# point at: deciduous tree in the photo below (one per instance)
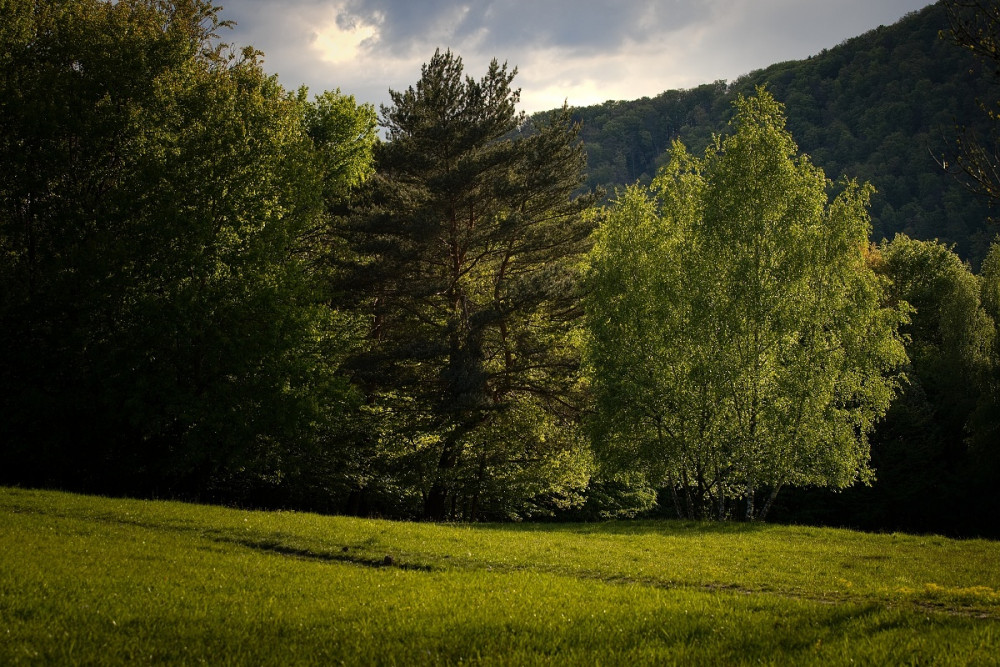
(161, 328)
(739, 336)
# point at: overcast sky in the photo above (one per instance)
(582, 51)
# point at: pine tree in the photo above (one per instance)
(469, 248)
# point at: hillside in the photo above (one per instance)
(878, 107)
(87, 580)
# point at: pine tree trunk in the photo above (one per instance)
(436, 503)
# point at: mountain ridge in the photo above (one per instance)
(882, 107)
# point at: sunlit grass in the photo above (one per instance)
(90, 580)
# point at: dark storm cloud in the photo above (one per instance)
(504, 24)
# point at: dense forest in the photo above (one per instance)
(214, 288)
(882, 107)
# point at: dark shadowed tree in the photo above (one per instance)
(161, 326)
(945, 412)
(935, 454)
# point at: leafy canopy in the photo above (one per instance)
(161, 324)
(738, 335)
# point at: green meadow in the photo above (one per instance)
(87, 580)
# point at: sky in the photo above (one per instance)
(579, 51)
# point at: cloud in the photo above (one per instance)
(583, 51)
(407, 26)
(344, 40)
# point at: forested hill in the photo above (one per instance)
(878, 107)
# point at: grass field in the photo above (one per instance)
(87, 580)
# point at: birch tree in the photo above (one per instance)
(759, 346)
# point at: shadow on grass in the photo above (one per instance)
(344, 556)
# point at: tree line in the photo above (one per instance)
(217, 289)
(164, 322)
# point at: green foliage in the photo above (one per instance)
(990, 275)
(985, 421)
(344, 136)
(465, 257)
(162, 327)
(924, 448)
(882, 107)
(950, 333)
(190, 256)
(615, 496)
(738, 338)
(88, 580)
(934, 455)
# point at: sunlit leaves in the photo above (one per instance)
(738, 335)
